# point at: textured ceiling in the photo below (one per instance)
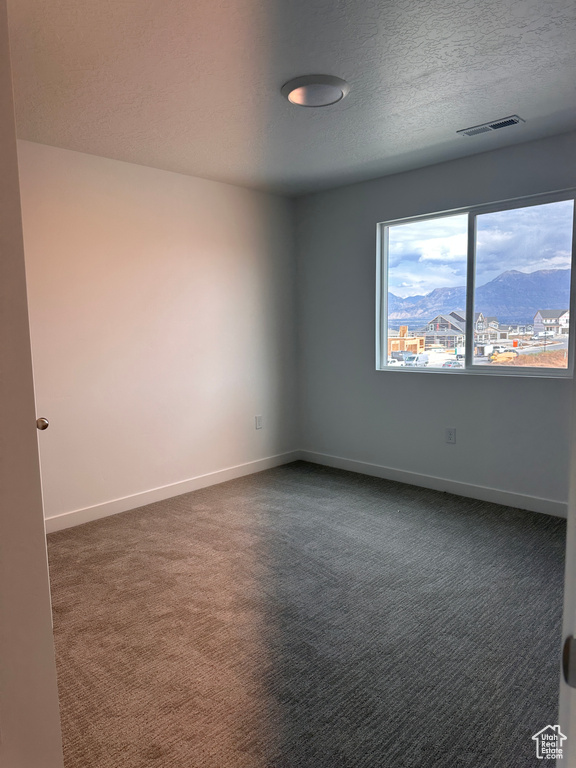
(194, 85)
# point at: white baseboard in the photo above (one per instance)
(510, 499)
(87, 514)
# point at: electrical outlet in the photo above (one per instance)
(258, 422)
(450, 435)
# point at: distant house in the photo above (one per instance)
(556, 320)
(507, 331)
(520, 329)
(485, 328)
(459, 316)
(447, 331)
(446, 338)
(404, 341)
(446, 323)
(480, 322)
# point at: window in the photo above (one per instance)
(482, 290)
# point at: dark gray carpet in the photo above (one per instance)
(307, 617)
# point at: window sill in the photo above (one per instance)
(533, 373)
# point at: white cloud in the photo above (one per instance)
(428, 254)
(450, 248)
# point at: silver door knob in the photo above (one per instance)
(42, 423)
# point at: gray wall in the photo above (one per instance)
(513, 434)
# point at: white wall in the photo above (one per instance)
(162, 317)
(513, 434)
(162, 314)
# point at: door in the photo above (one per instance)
(568, 694)
(29, 717)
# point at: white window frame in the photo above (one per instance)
(469, 366)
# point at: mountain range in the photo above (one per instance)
(512, 297)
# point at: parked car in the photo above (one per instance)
(394, 362)
(452, 364)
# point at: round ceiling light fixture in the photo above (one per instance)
(315, 90)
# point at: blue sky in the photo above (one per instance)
(425, 255)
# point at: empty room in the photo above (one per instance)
(287, 381)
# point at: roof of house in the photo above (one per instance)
(550, 314)
(457, 325)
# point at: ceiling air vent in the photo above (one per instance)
(504, 122)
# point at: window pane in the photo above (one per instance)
(427, 292)
(522, 286)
